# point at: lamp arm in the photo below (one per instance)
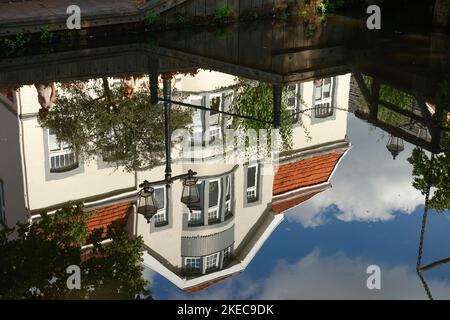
(172, 179)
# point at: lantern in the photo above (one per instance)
(190, 192)
(147, 204)
(395, 145)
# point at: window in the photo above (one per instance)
(2, 202)
(227, 254)
(195, 216)
(212, 261)
(160, 198)
(214, 134)
(252, 183)
(323, 95)
(214, 196)
(214, 103)
(197, 132)
(192, 263)
(62, 158)
(228, 194)
(292, 101)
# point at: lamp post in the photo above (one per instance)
(147, 203)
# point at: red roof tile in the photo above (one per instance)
(285, 205)
(305, 172)
(103, 217)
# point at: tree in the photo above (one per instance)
(439, 171)
(35, 257)
(255, 99)
(98, 120)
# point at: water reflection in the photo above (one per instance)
(93, 130)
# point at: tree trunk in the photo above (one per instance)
(441, 13)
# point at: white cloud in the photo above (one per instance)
(368, 185)
(319, 277)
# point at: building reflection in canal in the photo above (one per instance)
(241, 201)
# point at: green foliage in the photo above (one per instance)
(282, 15)
(316, 9)
(15, 44)
(97, 120)
(221, 14)
(152, 18)
(440, 177)
(21, 40)
(252, 98)
(35, 257)
(45, 36)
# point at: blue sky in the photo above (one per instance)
(372, 215)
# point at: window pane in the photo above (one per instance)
(213, 193)
(215, 104)
(327, 88)
(159, 198)
(228, 184)
(318, 89)
(193, 264)
(251, 177)
(53, 143)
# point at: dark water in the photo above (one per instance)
(301, 220)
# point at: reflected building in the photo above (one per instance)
(241, 203)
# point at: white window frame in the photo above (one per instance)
(228, 192)
(163, 211)
(2, 202)
(199, 259)
(324, 102)
(213, 212)
(214, 132)
(195, 213)
(197, 127)
(293, 110)
(63, 152)
(215, 265)
(254, 189)
(227, 251)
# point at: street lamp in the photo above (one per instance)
(190, 192)
(395, 145)
(147, 203)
